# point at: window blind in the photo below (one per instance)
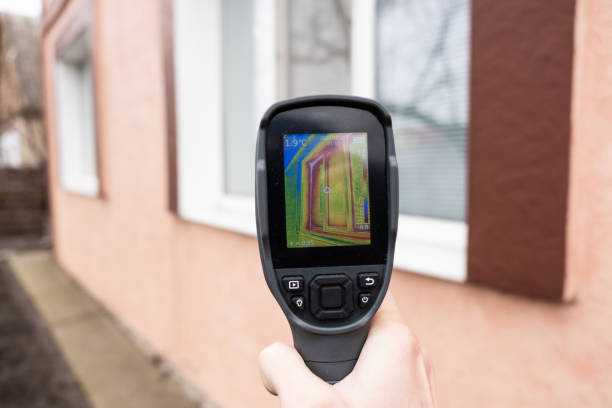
(422, 75)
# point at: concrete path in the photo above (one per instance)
(33, 372)
(113, 371)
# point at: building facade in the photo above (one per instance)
(501, 112)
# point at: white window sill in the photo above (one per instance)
(427, 246)
(231, 212)
(84, 185)
(432, 247)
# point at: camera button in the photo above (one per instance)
(368, 280)
(298, 302)
(365, 300)
(293, 283)
(332, 296)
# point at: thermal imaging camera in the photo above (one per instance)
(326, 193)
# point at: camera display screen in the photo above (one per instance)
(327, 194)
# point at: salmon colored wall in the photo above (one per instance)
(197, 293)
(590, 212)
(183, 287)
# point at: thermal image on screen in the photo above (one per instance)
(327, 193)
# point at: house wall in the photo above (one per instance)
(198, 296)
(590, 194)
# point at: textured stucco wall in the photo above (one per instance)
(590, 195)
(195, 293)
(167, 279)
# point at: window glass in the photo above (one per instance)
(247, 60)
(238, 62)
(422, 50)
(313, 38)
(319, 47)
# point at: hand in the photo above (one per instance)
(392, 371)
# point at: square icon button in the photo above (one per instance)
(293, 283)
(332, 296)
(365, 299)
(298, 302)
(368, 280)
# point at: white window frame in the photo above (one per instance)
(200, 144)
(428, 246)
(75, 104)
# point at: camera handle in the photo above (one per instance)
(330, 356)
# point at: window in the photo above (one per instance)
(317, 47)
(247, 52)
(422, 52)
(10, 149)
(414, 58)
(74, 91)
(224, 72)
(232, 59)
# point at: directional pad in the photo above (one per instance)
(331, 296)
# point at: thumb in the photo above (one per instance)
(284, 373)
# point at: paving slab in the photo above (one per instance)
(112, 369)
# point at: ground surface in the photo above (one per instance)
(114, 368)
(33, 372)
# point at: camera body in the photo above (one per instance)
(326, 189)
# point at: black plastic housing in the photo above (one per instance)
(329, 347)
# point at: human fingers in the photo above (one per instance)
(284, 373)
(391, 365)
